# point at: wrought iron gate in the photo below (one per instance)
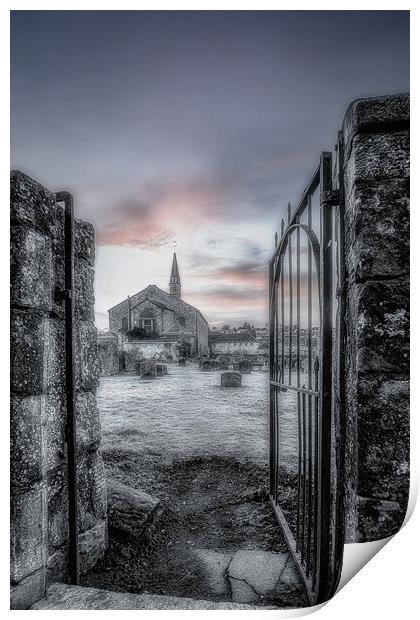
(306, 424)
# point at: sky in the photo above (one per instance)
(191, 130)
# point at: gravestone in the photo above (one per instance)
(146, 369)
(230, 379)
(161, 369)
(245, 367)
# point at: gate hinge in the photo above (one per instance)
(61, 295)
(330, 197)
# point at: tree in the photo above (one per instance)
(226, 328)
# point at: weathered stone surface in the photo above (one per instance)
(384, 439)
(381, 330)
(63, 596)
(260, 570)
(27, 462)
(28, 591)
(92, 545)
(33, 205)
(57, 566)
(57, 509)
(230, 379)
(379, 157)
(92, 490)
(129, 510)
(88, 427)
(31, 279)
(377, 356)
(39, 516)
(377, 230)
(108, 354)
(378, 518)
(288, 589)
(27, 532)
(84, 242)
(55, 359)
(54, 432)
(86, 359)
(242, 592)
(84, 298)
(214, 566)
(27, 332)
(368, 115)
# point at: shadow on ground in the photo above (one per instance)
(214, 535)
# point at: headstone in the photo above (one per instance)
(161, 369)
(230, 379)
(245, 367)
(146, 369)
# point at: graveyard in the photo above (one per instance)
(200, 452)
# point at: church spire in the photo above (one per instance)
(175, 280)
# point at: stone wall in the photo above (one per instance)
(108, 354)
(250, 347)
(376, 152)
(39, 504)
(146, 349)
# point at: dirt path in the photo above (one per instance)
(210, 505)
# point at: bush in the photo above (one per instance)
(138, 333)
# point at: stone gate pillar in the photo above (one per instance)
(39, 502)
(376, 174)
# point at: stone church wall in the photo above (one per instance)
(165, 318)
(39, 506)
(376, 141)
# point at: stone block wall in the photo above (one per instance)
(108, 354)
(39, 503)
(376, 186)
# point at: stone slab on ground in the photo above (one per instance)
(129, 510)
(63, 596)
(255, 574)
(215, 565)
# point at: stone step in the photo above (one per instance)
(63, 596)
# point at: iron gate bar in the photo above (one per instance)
(310, 545)
(340, 340)
(324, 480)
(72, 478)
(285, 386)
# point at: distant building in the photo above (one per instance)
(235, 343)
(154, 321)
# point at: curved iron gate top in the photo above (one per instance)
(305, 382)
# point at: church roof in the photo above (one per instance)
(175, 270)
(169, 304)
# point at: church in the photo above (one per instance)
(154, 321)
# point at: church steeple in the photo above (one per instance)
(175, 280)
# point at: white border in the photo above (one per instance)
(387, 586)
